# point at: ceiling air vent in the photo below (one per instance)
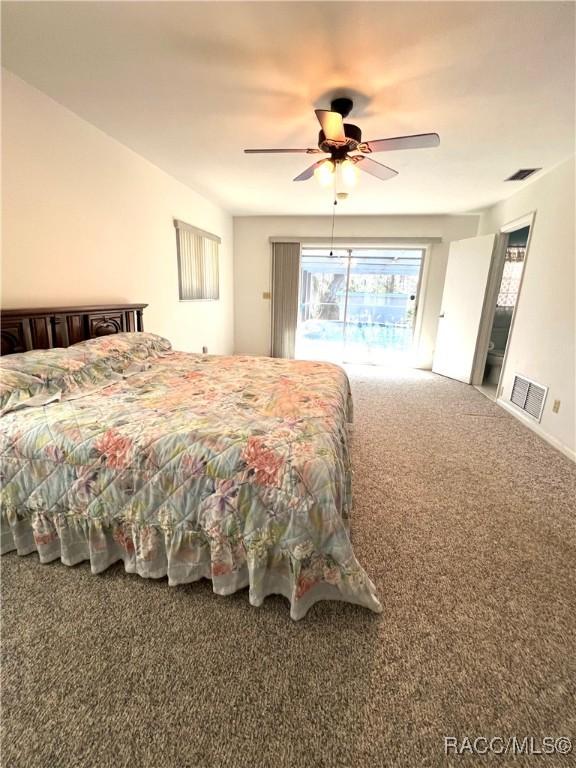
(529, 396)
(522, 174)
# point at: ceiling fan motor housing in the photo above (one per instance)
(342, 105)
(353, 138)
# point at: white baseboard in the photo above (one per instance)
(535, 427)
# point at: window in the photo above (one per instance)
(511, 276)
(198, 274)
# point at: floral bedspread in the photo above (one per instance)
(229, 468)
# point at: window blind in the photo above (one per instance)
(285, 280)
(198, 269)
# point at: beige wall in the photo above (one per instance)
(86, 220)
(542, 342)
(252, 254)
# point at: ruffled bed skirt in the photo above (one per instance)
(185, 557)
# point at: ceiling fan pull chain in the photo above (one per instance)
(332, 233)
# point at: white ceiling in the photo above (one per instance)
(189, 85)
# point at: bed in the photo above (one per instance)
(233, 469)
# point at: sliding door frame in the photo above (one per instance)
(418, 315)
(345, 320)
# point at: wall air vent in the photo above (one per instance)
(529, 396)
(522, 174)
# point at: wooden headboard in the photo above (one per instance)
(47, 327)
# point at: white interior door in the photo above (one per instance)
(467, 274)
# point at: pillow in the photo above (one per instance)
(65, 370)
(136, 346)
(19, 389)
(87, 366)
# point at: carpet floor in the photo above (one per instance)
(463, 518)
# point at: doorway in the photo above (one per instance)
(358, 305)
(501, 313)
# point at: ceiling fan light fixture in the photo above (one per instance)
(324, 173)
(348, 173)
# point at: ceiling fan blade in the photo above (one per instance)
(375, 169)
(332, 124)
(420, 141)
(310, 151)
(309, 172)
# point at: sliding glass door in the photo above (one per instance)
(322, 310)
(359, 305)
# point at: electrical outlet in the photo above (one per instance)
(556, 406)
(204, 350)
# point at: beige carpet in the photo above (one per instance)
(464, 519)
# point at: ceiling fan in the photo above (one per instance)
(338, 139)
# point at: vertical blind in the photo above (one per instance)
(285, 280)
(198, 273)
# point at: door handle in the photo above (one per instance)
(441, 315)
